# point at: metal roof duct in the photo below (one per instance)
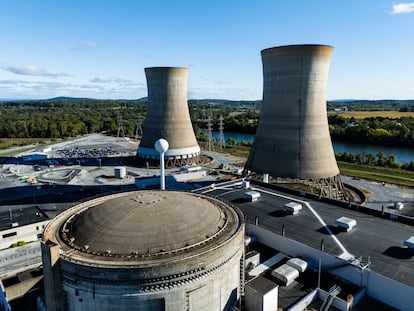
(292, 138)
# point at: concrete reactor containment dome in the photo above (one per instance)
(150, 250)
(168, 117)
(292, 138)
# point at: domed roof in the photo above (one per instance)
(145, 223)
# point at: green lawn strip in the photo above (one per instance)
(239, 151)
(388, 175)
(11, 146)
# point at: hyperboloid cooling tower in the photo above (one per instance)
(144, 250)
(292, 138)
(168, 117)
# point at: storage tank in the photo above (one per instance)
(292, 138)
(168, 118)
(120, 172)
(161, 250)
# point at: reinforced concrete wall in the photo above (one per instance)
(292, 138)
(197, 271)
(167, 115)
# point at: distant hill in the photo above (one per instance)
(63, 98)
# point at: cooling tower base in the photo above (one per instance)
(173, 162)
(331, 187)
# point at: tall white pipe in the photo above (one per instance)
(162, 173)
(161, 145)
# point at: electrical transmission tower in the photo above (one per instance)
(221, 142)
(120, 128)
(138, 132)
(210, 142)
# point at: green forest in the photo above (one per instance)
(68, 117)
(378, 131)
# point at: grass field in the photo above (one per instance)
(15, 142)
(380, 174)
(374, 114)
(238, 151)
(9, 146)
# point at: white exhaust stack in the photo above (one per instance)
(161, 145)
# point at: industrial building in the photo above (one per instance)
(163, 250)
(370, 268)
(292, 139)
(21, 225)
(168, 118)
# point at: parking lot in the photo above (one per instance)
(93, 151)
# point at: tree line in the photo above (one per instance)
(68, 118)
(378, 159)
(378, 131)
(61, 118)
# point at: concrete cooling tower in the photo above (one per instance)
(168, 117)
(292, 138)
(144, 250)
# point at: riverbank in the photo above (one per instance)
(401, 154)
(374, 173)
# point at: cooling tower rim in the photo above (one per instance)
(165, 68)
(297, 46)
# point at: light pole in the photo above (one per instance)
(161, 145)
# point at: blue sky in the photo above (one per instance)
(99, 49)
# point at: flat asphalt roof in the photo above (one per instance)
(17, 217)
(374, 239)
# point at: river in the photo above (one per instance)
(402, 155)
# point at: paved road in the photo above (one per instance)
(386, 195)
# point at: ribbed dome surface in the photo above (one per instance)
(145, 223)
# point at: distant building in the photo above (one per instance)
(21, 225)
(35, 156)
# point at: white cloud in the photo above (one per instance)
(223, 93)
(29, 70)
(402, 8)
(46, 89)
(85, 46)
(102, 79)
